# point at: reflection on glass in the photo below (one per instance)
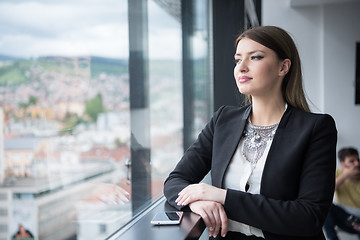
(65, 131)
(65, 159)
(202, 65)
(65, 103)
(165, 93)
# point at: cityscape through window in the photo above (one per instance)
(69, 131)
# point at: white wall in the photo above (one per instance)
(326, 36)
(342, 31)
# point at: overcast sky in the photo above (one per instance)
(81, 27)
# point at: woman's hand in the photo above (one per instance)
(213, 214)
(109, 194)
(207, 201)
(200, 191)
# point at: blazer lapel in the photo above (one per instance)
(229, 143)
(273, 157)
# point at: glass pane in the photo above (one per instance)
(65, 147)
(165, 80)
(202, 57)
(65, 139)
(357, 74)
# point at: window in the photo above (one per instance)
(79, 119)
(357, 74)
(3, 196)
(3, 228)
(102, 228)
(64, 87)
(3, 212)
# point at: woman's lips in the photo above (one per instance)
(243, 79)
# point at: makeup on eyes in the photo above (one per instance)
(257, 57)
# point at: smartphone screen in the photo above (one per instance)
(167, 218)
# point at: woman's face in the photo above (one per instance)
(258, 71)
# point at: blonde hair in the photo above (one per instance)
(283, 45)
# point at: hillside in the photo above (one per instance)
(14, 71)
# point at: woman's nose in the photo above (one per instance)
(243, 66)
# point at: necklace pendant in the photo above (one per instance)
(255, 141)
(257, 138)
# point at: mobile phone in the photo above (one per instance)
(167, 218)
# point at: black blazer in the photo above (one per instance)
(298, 180)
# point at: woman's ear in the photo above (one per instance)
(285, 67)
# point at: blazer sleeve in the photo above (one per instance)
(195, 163)
(293, 207)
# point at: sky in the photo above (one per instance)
(30, 29)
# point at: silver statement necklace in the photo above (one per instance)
(255, 140)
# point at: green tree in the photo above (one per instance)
(23, 105)
(94, 106)
(70, 122)
(32, 100)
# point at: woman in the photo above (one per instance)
(272, 162)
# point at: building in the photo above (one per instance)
(19, 155)
(47, 207)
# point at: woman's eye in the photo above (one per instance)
(256, 57)
(237, 60)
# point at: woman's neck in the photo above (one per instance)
(266, 113)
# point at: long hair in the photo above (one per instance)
(283, 45)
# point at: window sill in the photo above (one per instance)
(191, 226)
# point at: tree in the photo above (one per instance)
(94, 106)
(32, 100)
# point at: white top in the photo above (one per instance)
(240, 172)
